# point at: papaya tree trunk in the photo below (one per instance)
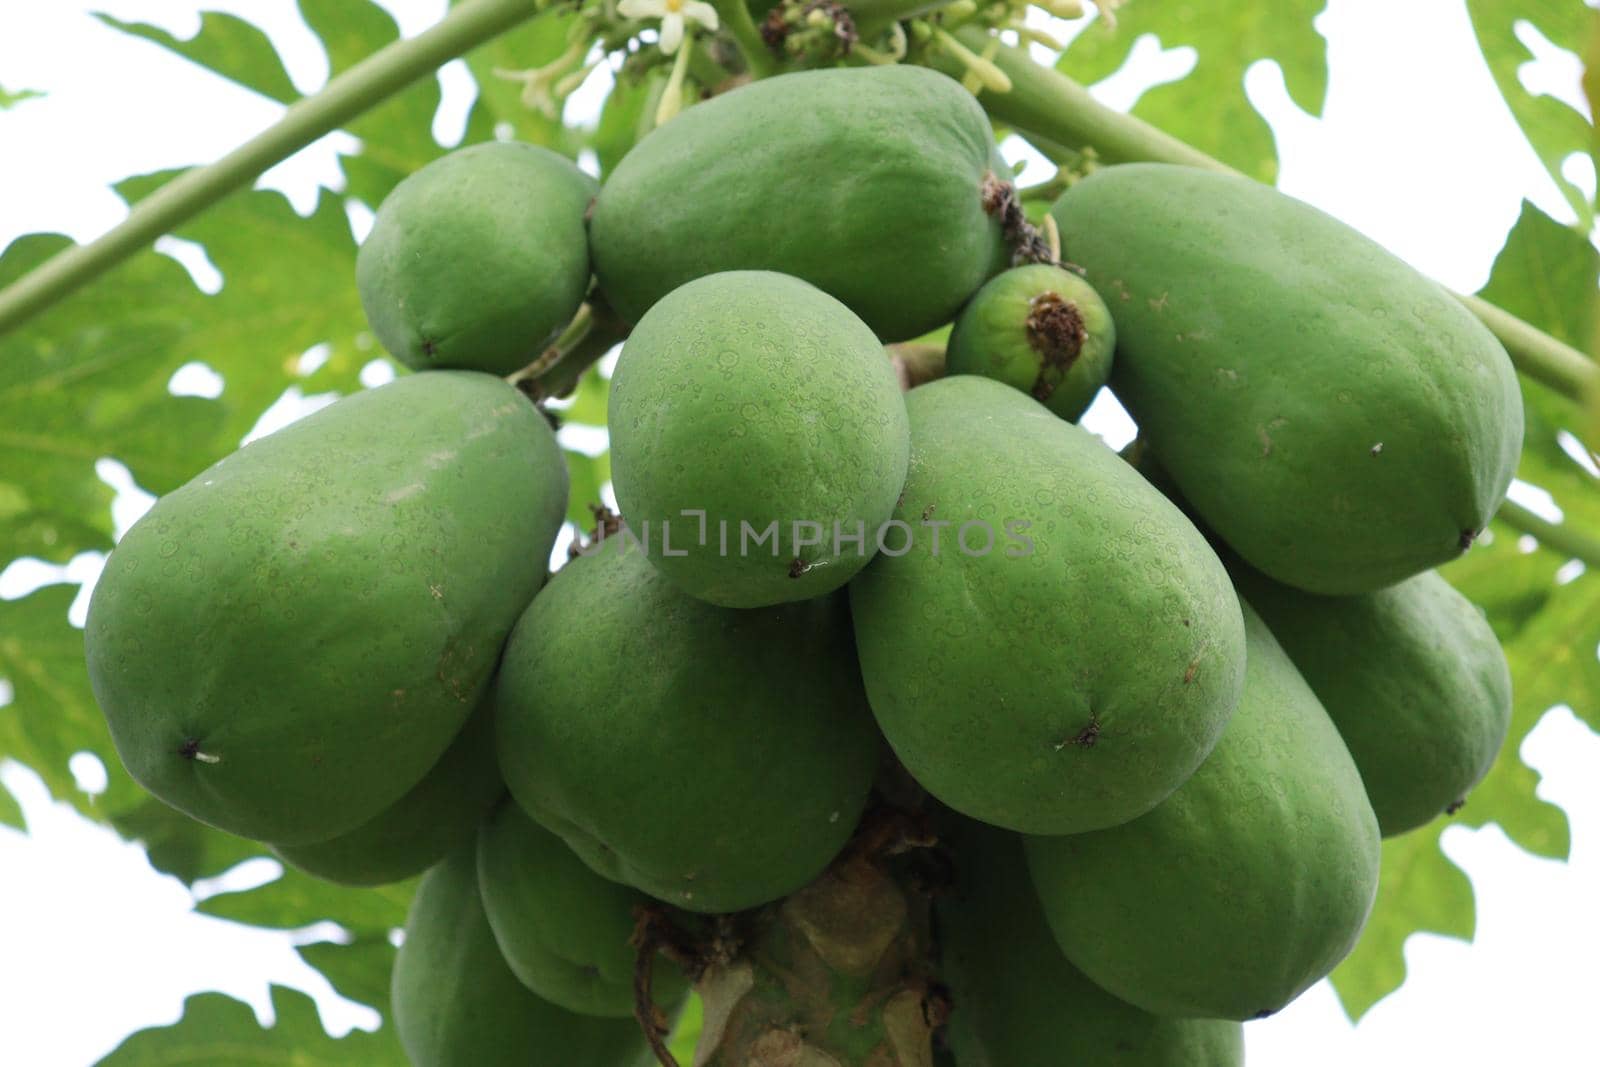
(839, 974)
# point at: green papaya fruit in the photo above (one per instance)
(714, 758)
(479, 259)
(1412, 676)
(1016, 1000)
(416, 831)
(758, 438)
(284, 646)
(563, 929)
(874, 184)
(1070, 648)
(1244, 887)
(457, 1004)
(1297, 379)
(1038, 328)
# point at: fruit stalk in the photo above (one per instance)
(1046, 103)
(1558, 537)
(358, 89)
(735, 17)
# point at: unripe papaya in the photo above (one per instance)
(1038, 328)
(714, 758)
(1244, 887)
(416, 831)
(478, 260)
(755, 425)
(1017, 1002)
(1067, 652)
(1339, 420)
(457, 1004)
(284, 646)
(875, 184)
(564, 930)
(1412, 676)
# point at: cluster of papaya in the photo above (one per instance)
(1162, 711)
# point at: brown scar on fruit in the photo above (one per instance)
(1455, 805)
(1192, 670)
(1467, 537)
(1056, 331)
(927, 512)
(1086, 737)
(798, 567)
(428, 347)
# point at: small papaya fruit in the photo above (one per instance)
(1244, 887)
(1039, 328)
(563, 929)
(478, 260)
(1296, 379)
(1048, 644)
(1412, 676)
(758, 438)
(875, 184)
(713, 758)
(416, 831)
(457, 1004)
(1017, 1002)
(284, 646)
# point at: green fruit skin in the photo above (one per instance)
(317, 614)
(479, 259)
(757, 399)
(563, 929)
(1340, 420)
(1017, 1002)
(867, 182)
(457, 1004)
(416, 831)
(712, 758)
(1057, 690)
(991, 337)
(1411, 675)
(1247, 885)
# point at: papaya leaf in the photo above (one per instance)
(358, 971)
(397, 136)
(1550, 633)
(528, 46)
(178, 845)
(622, 115)
(227, 45)
(1548, 274)
(1553, 129)
(10, 98)
(297, 900)
(1419, 889)
(53, 714)
(586, 475)
(1208, 107)
(217, 1029)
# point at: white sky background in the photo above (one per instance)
(1415, 148)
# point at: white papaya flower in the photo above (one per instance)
(673, 15)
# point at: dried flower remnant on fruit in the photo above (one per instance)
(1057, 331)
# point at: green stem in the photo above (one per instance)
(595, 330)
(735, 18)
(1562, 538)
(1537, 354)
(358, 89)
(1045, 103)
